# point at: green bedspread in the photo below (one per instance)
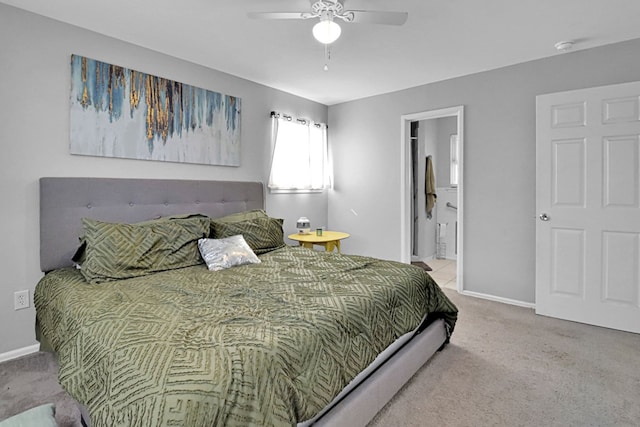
(266, 344)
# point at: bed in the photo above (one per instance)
(299, 337)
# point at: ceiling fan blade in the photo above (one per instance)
(277, 15)
(377, 17)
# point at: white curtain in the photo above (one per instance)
(300, 157)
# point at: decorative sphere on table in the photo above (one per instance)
(303, 225)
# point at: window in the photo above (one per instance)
(300, 160)
(454, 166)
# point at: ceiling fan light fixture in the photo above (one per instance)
(326, 31)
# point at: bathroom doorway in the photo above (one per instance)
(432, 194)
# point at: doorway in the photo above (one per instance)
(422, 236)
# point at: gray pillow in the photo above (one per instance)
(219, 254)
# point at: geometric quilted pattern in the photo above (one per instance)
(266, 344)
(117, 251)
(242, 216)
(261, 234)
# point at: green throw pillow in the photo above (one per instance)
(80, 255)
(261, 234)
(242, 216)
(118, 251)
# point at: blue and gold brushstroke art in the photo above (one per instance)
(118, 112)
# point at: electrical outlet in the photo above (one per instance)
(21, 300)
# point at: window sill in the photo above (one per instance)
(293, 191)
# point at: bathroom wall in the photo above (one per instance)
(449, 217)
(426, 231)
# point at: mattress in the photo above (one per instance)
(263, 344)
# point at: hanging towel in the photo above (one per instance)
(430, 186)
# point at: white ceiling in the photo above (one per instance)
(441, 39)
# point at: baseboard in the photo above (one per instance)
(499, 299)
(14, 354)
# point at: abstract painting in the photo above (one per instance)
(118, 112)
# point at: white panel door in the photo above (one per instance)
(588, 206)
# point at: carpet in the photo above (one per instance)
(31, 381)
(507, 366)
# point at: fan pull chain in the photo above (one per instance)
(327, 57)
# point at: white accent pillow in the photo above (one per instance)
(219, 254)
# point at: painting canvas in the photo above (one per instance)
(118, 112)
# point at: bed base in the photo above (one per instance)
(367, 399)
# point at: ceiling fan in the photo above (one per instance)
(327, 30)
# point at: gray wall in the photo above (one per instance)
(34, 136)
(364, 138)
(499, 161)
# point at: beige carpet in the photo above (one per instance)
(31, 381)
(505, 366)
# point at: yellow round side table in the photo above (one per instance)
(329, 239)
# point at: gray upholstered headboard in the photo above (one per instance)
(65, 201)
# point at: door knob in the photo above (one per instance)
(544, 217)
